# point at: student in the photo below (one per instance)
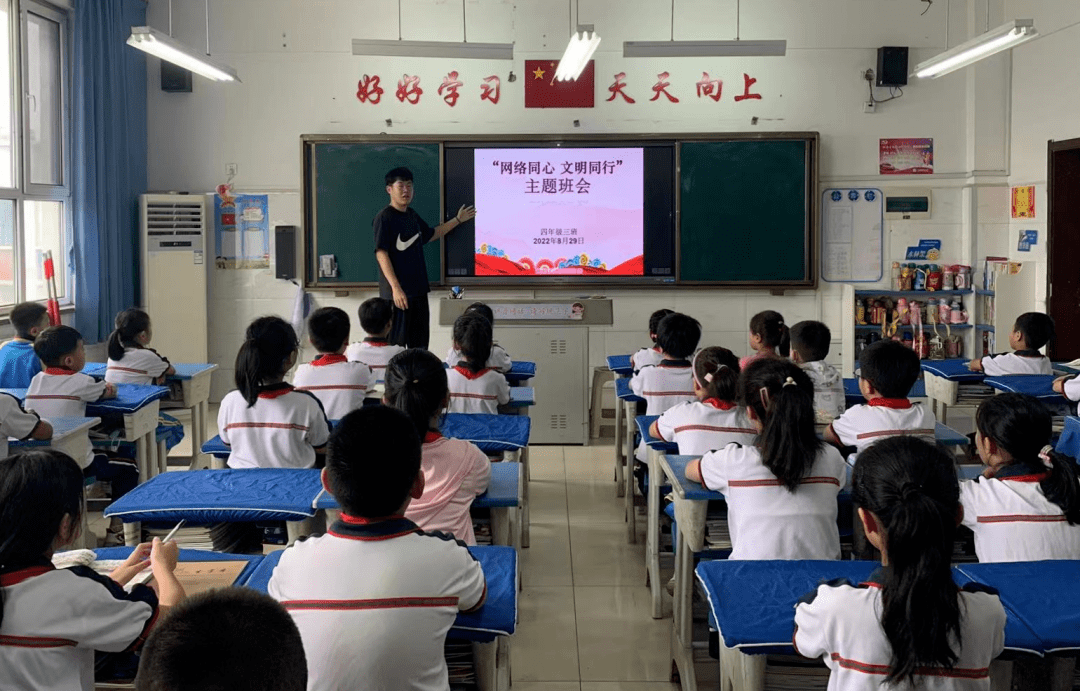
(474, 388)
(650, 356)
(499, 359)
(53, 621)
(253, 645)
(1026, 507)
(376, 319)
(781, 492)
(1031, 331)
(455, 471)
(810, 341)
(18, 362)
(131, 361)
(714, 420)
(888, 370)
(671, 382)
(908, 626)
(419, 580)
(1069, 387)
(769, 337)
(266, 422)
(340, 385)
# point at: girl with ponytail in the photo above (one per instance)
(455, 471)
(474, 387)
(131, 360)
(781, 492)
(769, 337)
(909, 624)
(267, 422)
(1026, 507)
(714, 420)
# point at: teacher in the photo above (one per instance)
(400, 236)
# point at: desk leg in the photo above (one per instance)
(682, 652)
(741, 672)
(525, 498)
(163, 456)
(141, 459)
(500, 527)
(631, 457)
(619, 422)
(132, 534)
(652, 536)
(197, 425)
(298, 529)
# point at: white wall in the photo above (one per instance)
(299, 77)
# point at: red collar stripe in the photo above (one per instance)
(328, 359)
(469, 374)
(361, 520)
(431, 436)
(60, 370)
(275, 390)
(718, 404)
(21, 575)
(895, 403)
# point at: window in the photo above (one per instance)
(35, 186)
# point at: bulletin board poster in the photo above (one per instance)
(242, 231)
(906, 156)
(1023, 202)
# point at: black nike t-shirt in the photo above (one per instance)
(403, 235)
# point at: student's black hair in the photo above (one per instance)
(678, 335)
(483, 310)
(55, 342)
(910, 486)
(472, 336)
(723, 366)
(774, 333)
(402, 173)
(1037, 328)
(1021, 425)
(37, 489)
(25, 316)
(375, 314)
(891, 367)
(329, 329)
(782, 396)
(228, 638)
(416, 385)
(128, 324)
(811, 340)
(372, 460)
(269, 343)
(655, 318)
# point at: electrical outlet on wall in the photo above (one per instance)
(869, 107)
(230, 169)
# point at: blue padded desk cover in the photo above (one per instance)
(955, 369)
(1069, 442)
(644, 422)
(62, 426)
(620, 365)
(184, 370)
(492, 433)
(622, 390)
(498, 616)
(521, 370)
(1036, 385)
(504, 491)
(129, 398)
(522, 396)
(253, 560)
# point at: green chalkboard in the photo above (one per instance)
(745, 211)
(345, 188)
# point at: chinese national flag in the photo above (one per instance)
(542, 91)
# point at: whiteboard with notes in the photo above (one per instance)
(852, 235)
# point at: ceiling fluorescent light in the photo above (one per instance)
(703, 49)
(578, 53)
(161, 45)
(433, 49)
(1002, 38)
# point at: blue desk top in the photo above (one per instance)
(504, 491)
(622, 390)
(184, 370)
(62, 426)
(955, 369)
(1036, 385)
(522, 396)
(620, 365)
(498, 616)
(521, 370)
(949, 437)
(1069, 442)
(644, 422)
(253, 560)
(129, 399)
(691, 491)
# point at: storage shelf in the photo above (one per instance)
(902, 327)
(980, 291)
(911, 293)
(984, 327)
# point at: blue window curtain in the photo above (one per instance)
(109, 161)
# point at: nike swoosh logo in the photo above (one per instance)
(402, 246)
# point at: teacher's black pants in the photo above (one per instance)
(412, 326)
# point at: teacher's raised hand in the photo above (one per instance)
(465, 213)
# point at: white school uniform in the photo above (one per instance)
(498, 360)
(375, 353)
(765, 519)
(374, 601)
(14, 422)
(1072, 389)
(1014, 521)
(138, 366)
(55, 619)
(699, 427)
(455, 472)
(59, 392)
(646, 357)
(840, 623)
(282, 429)
(1012, 363)
(665, 385)
(862, 425)
(476, 392)
(340, 385)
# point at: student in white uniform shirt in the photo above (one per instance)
(131, 360)
(376, 319)
(376, 595)
(1032, 331)
(341, 385)
(53, 621)
(810, 341)
(907, 498)
(1026, 507)
(19, 423)
(651, 355)
(781, 492)
(499, 359)
(455, 471)
(266, 422)
(714, 420)
(475, 388)
(887, 371)
(671, 382)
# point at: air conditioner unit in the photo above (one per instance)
(174, 236)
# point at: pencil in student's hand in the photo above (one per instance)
(172, 532)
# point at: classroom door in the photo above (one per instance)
(1063, 246)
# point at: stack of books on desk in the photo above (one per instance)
(717, 535)
(482, 531)
(972, 392)
(459, 663)
(793, 673)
